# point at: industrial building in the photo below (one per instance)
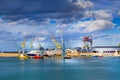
(106, 49)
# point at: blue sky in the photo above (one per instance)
(44, 18)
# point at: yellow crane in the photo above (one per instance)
(58, 46)
(24, 44)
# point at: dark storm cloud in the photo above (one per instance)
(39, 10)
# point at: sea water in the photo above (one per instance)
(68, 69)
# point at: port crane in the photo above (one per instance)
(58, 46)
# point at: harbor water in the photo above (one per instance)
(68, 69)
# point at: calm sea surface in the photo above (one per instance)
(69, 69)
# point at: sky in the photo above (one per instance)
(27, 19)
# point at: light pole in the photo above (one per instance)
(63, 45)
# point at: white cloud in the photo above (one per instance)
(62, 26)
(1, 21)
(41, 38)
(99, 14)
(44, 32)
(106, 39)
(13, 23)
(99, 25)
(106, 4)
(84, 4)
(93, 25)
(119, 13)
(19, 31)
(28, 22)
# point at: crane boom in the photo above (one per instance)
(58, 46)
(24, 44)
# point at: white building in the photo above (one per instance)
(106, 49)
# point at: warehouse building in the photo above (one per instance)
(106, 49)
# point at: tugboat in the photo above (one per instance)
(34, 54)
(23, 56)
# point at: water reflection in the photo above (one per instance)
(68, 69)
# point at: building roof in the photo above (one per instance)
(106, 47)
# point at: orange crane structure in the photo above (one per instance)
(87, 42)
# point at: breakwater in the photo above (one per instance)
(9, 54)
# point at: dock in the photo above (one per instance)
(76, 54)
